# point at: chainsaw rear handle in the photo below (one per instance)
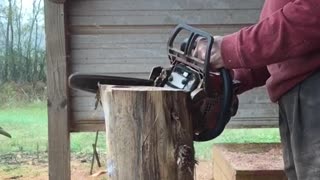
(186, 48)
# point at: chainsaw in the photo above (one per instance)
(212, 92)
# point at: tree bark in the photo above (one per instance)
(35, 56)
(28, 62)
(149, 133)
(19, 48)
(6, 58)
(12, 55)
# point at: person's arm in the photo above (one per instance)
(289, 32)
(250, 78)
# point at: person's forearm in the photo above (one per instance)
(250, 78)
(290, 32)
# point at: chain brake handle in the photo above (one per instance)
(184, 56)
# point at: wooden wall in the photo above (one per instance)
(128, 38)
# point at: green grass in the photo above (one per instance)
(28, 127)
(258, 135)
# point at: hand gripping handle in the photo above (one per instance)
(185, 57)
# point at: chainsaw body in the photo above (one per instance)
(212, 93)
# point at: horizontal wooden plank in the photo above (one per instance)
(126, 38)
(257, 95)
(256, 123)
(197, 17)
(119, 53)
(157, 13)
(84, 104)
(84, 122)
(99, 115)
(75, 92)
(87, 116)
(150, 29)
(99, 125)
(137, 39)
(249, 115)
(121, 61)
(87, 126)
(87, 104)
(114, 68)
(259, 110)
(85, 6)
(254, 106)
(118, 45)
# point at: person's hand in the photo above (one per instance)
(216, 60)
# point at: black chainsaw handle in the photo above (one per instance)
(225, 114)
(187, 47)
(186, 52)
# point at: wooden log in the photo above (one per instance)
(149, 133)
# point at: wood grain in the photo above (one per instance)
(154, 5)
(167, 12)
(202, 17)
(58, 125)
(149, 133)
(156, 30)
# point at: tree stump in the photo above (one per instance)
(149, 133)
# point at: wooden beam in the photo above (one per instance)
(87, 126)
(58, 126)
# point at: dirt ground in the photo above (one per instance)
(26, 166)
(253, 156)
(23, 166)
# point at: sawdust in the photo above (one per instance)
(253, 156)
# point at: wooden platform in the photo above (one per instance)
(248, 162)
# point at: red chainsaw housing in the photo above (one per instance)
(201, 101)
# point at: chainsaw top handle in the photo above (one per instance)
(184, 56)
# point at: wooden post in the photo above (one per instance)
(58, 125)
(149, 133)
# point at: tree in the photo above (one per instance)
(22, 56)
